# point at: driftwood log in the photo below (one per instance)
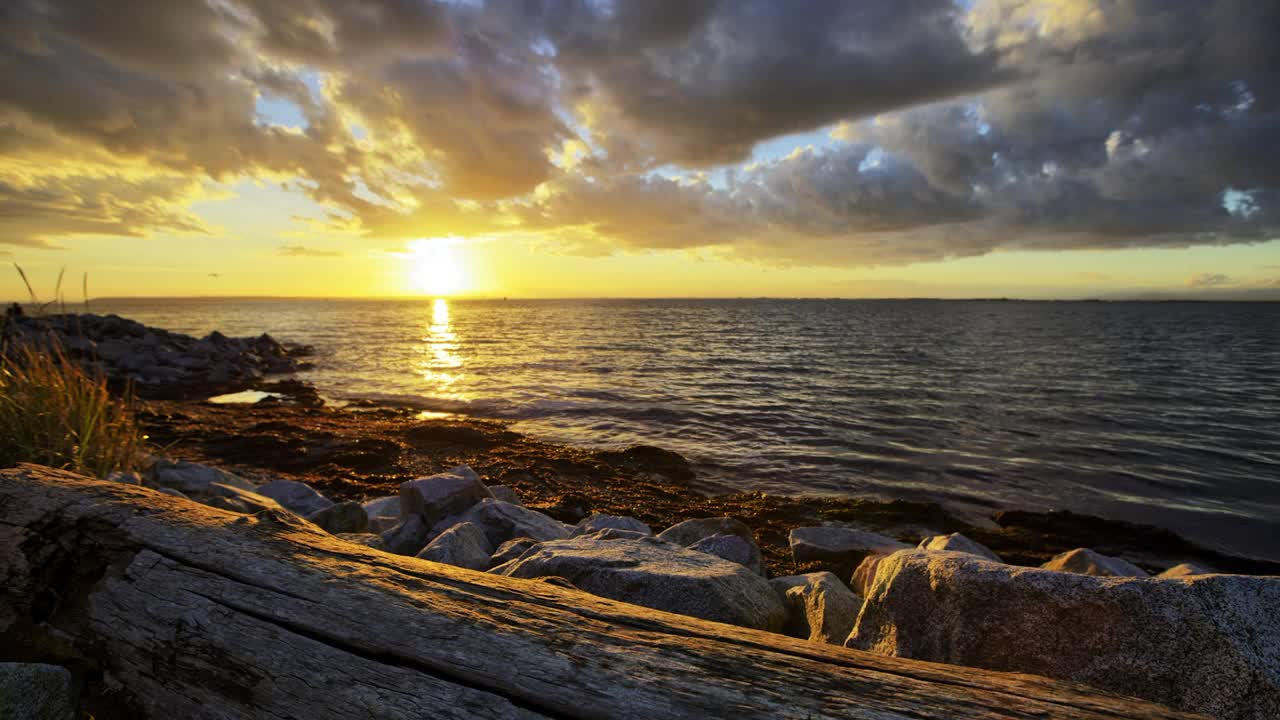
(170, 609)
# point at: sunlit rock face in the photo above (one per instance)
(1207, 644)
(1087, 562)
(819, 607)
(655, 574)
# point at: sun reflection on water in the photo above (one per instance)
(439, 360)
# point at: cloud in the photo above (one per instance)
(1093, 276)
(303, 251)
(1209, 280)
(963, 127)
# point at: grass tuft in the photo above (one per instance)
(53, 412)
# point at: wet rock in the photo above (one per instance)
(295, 496)
(505, 494)
(407, 537)
(656, 574)
(510, 550)
(955, 542)
(600, 521)
(227, 497)
(463, 545)
(347, 517)
(439, 496)
(819, 607)
(502, 521)
(1207, 644)
(194, 479)
(734, 549)
(1087, 562)
(691, 532)
(840, 549)
(32, 691)
(1184, 570)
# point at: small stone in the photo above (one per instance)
(692, 532)
(819, 607)
(406, 538)
(227, 497)
(955, 542)
(1084, 561)
(347, 517)
(463, 545)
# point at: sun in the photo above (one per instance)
(436, 267)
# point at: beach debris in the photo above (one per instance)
(820, 608)
(955, 542)
(1185, 570)
(36, 691)
(295, 496)
(463, 545)
(656, 574)
(346, 517)
(1208, 644)
(502, 521)
(600, 521)
(840, 549)
(438, 496)
(1087, 562)
(691, 532)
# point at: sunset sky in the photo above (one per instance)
(564, 148)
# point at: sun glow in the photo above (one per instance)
(436, 266)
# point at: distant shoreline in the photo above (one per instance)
(488, 298)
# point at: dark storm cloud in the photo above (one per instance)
(967, 127)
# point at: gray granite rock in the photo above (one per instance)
(297, 497)
(819, 607)
(463, 545)
(510, 550)
(693, 532)
(656, 574)
(1087, 562)
(505, 494)
(734, 549)
(600, 521)
(502, 521)
(842, 549)
(406, 538)
(439, 496)
(955, 542)
(193, 479)
(32, 691)
(388, 506)
(227, 497)
(1208, 644)
(347, 517)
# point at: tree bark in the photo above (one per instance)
(170, 609)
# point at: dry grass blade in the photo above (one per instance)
(30, 290)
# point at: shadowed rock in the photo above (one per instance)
(347, 517)
(600, 521)
(842, 549)
(1207, 644)
(30, 691)
(295, 496)
(463, 545)
(406, 538)
(226, 497)
(693, 532)
(193, 479)
(437, 497)
(510, 550)
(502, 521)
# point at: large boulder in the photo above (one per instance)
(503, 521)
(1207, 644)
(343, 518)
(439, 496)
(656, 574)
(840, 549)
(463, 545)
(193, 479)
(600, 521)
(297, 497)
(692, 532)
(819, 607)
(955, 542)
(31, 691)
(1087, 562)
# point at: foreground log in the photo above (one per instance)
(167, 609)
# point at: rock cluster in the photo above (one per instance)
(158, 363)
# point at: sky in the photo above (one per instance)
(636, 148)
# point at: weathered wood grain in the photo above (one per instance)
(173, 609)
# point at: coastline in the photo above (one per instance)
(364, 451)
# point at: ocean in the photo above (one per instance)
(1162, 413)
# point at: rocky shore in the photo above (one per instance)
(1131, 609)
